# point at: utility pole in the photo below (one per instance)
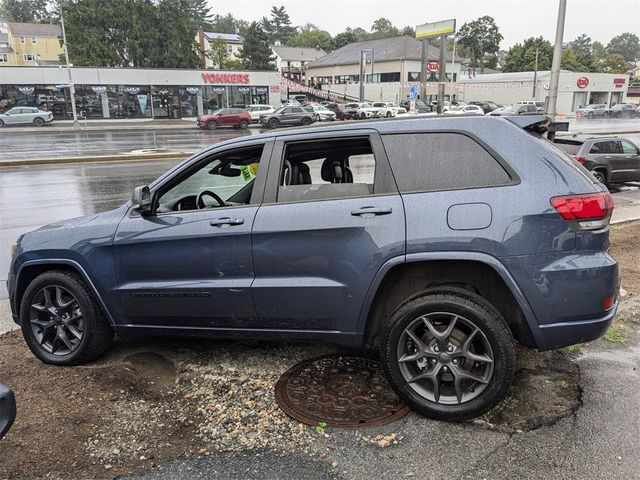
(362, 60)
(555, 66)
(443, 75)
(535, 76)
(423, 71)
(72, 89)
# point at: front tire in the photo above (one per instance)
(600, 176)
(273, 123)
(305, 121)
(244, 124)
(448, 354)
(38, 122)
(61, 321)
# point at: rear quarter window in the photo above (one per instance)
(442, 161)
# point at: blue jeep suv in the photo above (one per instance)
(438, 242)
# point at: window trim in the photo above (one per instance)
(4, 58)
(34, 40)
(515, 179)
(33, 57)
(23, 40)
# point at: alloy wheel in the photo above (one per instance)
(56, 320)
(445, 358)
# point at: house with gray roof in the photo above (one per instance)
(204, 40)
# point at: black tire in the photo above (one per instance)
(600, 175)
(273, 123)
(305, 121)
(590, 115)
(97, 335)
(363, 116)
(244, 124)
(1, 123)
(476, 313)
(38, 122)
(387, 115)
(212, 125)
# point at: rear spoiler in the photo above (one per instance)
(539, 124)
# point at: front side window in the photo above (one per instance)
(224, 181)
(327, 169)
(442, 161)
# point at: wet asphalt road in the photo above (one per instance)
(40, 143)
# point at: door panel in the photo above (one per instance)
(316, 259)
(185, 269)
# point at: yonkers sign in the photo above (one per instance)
(229, 78)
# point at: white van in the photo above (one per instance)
(539, 105)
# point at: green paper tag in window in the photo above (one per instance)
(246, 174)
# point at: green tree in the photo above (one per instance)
(256, 52)
(598, 50)
(278, 28)
(613, 63)
(311, 36)
(199, 14)
(360, 34)
(479, 38)
(571, 62)
(218, 53)
(581, 47)
(408, 30)
(226, 24)
(383, 28)
(344, 38)
(522, 56)
(626, 44)
(27, 11)
(176, 47)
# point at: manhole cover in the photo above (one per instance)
(343, 392)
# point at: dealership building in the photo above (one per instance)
(134, 93)
(575, 89)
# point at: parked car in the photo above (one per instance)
(621, 110)
(593, 110)
(487, 106)
(288, 116)
(25, 116)
(225, 117)
(527, 109)
(465, 110)
(440, 262)
(255, 111)
(363, 110)
(7, 409)
(609, 159)
(421, 107)
(321, 113)
(539, 105)
(386, 109)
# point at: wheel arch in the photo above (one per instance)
(479, 273)
(31, 269)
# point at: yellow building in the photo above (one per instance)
(29, 44)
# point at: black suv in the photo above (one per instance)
(438, 242)
(609, 159)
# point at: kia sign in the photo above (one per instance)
(217, 78)
(433, 67)
(582, 82)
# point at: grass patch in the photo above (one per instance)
(617, 333)
(574, 349)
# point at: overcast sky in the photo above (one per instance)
(516, 19)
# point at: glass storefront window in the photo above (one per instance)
(166, 102)
(189, 101)
(215, 97)
(239, 96)
(260, 95)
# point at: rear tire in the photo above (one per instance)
(388, 114)
(38, 122)
(1, 123)
(472, 362)
(600, 176)
(273, 123)
(244, 124)
(68, 329)
(590, 115)
(212, 125)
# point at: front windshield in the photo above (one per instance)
(280, 110)
(458, 108)
(365, 105)
(218, 112)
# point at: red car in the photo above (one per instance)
(225, 117)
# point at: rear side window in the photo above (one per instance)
(441, 161)
(608, 147)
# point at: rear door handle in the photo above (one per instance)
(371, 211)
(221, 222)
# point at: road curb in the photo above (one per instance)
(95, 159)
(622, 221)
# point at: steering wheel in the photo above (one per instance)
(200, 203)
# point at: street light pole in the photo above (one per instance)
(72, 90)
(535, 75)
(557, 58)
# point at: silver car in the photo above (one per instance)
(25, 115)
(593, 110)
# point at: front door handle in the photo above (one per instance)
(371, 211)
(228, 221)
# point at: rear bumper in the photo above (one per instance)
(557, 335)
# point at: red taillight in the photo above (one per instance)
(608, 302)
(589, 211)
(580, 160)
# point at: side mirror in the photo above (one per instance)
(7, 409)
(141, 200)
